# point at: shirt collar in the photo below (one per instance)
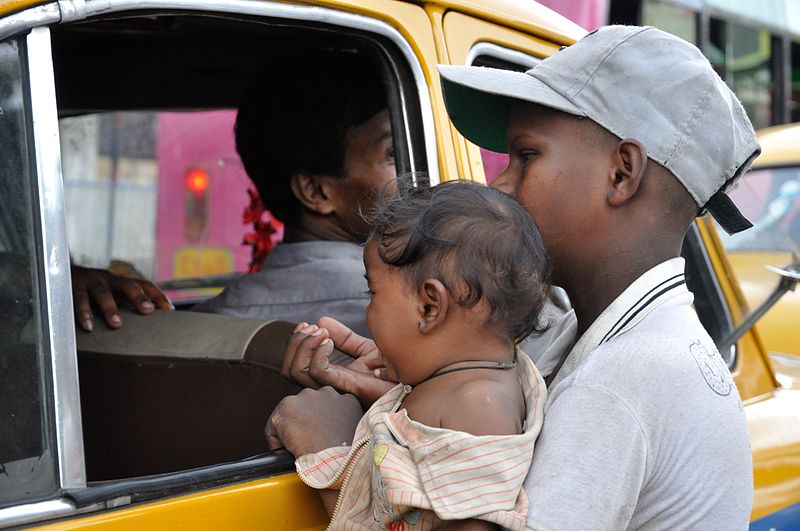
(289, 254)
(660, 284)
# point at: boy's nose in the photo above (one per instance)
(504, 183)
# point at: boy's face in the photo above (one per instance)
(390, 314)
(556, 171)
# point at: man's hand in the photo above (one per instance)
(307, 360)
(99, 287)
(313, 420)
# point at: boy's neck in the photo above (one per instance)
(601, 283)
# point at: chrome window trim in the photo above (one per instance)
(29, 18)
(730, 356)
(55, 257)
(73, 10)
(502, 53)
(32, 513)
(35, 512)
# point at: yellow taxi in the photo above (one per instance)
(770, 193)
(171, 439)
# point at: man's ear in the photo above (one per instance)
(312, 193)
(627, 172)
(434, 301)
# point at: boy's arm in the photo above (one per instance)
(468, 525)
(588, 465)
(329, 497)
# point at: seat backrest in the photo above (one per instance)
(148, 413)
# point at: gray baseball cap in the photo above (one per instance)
(637, 82)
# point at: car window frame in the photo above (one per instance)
(414, 112)
(58, 323)
(502, 53)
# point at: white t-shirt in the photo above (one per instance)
(644, 427)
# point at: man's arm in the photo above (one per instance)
(99, 286)
(588, 464)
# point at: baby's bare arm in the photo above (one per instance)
(482, 407)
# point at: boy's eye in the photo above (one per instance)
(369, 292)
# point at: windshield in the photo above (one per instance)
(770, 198)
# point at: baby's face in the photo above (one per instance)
(391, 315)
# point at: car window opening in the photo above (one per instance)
(154, 188)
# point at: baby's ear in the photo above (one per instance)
(434, 301)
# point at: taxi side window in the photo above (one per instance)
(154, 187)
(27, 444)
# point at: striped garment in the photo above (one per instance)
(402, 475)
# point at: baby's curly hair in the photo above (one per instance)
(479, 242)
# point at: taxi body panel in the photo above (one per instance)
(280, 502)
(447, 32)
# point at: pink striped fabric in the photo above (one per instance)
(400, 474)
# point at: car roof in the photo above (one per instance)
(780, 146)
(528, 16)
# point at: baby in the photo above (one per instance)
(457, 275)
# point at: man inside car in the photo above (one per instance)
(316, 142)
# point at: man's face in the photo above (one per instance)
(556, 172)
(368, 165)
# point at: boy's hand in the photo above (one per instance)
(313, 420)
(307, 360)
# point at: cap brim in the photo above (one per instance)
(725, 212)
(479, 99)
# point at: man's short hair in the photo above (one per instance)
(294, 116)
(478, 241)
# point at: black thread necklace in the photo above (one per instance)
(481, 364)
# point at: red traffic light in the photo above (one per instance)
(197, 180)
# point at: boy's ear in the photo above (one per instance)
(311, 191)
(434, 301)
(630, 163)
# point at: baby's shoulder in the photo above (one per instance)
(483, 406)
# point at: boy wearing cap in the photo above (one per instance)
(616, 144)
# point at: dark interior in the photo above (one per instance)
(173, 61)
(144, 416)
